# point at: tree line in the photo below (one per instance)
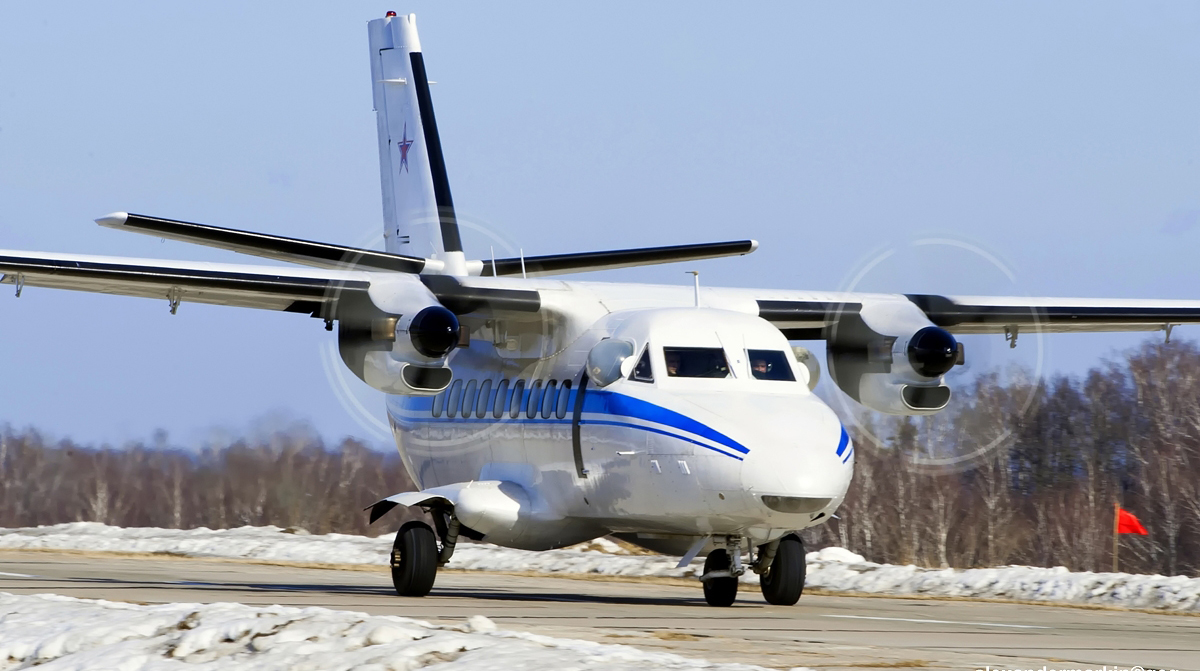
(1042, 463)
(290, 479)
(1018, 471)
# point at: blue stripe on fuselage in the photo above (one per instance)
(609, 403)
(602, 403)
(660, 432)
(843, 442)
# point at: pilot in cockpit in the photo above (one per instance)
(760, 368)
(672, 362)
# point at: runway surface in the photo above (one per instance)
(826, 632)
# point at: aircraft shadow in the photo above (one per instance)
(438, 593)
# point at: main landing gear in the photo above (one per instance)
(780, 564)
(416, 554)
(782, 580)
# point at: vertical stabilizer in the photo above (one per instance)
(418, 212)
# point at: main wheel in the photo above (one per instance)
(783, 583)
(414, 560)
(719, 591)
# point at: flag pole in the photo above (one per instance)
(1116, 522)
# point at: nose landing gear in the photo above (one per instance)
(780, 563)
(721, 570)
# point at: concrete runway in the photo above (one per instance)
(824, 632)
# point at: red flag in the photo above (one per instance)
(1128, 524)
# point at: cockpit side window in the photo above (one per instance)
(642, 371)
(696, 362)
(769, 364)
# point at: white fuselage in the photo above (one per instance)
(672, 458)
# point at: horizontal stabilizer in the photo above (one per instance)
(561, 264)
(317, 254)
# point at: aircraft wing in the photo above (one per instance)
(310, 291)
(325, 293)
(808, 317)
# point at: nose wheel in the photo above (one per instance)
(720, 585)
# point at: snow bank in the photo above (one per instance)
(833, 569)
(1024, 583)
(71, 634)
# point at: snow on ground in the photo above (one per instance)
(833, 569)
(62, 633)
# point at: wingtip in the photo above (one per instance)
(753, 246)
(113, 220)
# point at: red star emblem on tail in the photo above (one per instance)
(404, 144)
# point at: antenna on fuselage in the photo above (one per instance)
(696, 278)
(523, 264)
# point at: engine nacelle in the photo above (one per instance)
(400, 342)
(425, 337)
(892, 359)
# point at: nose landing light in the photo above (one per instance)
(794, 504)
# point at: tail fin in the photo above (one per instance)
(418, 212)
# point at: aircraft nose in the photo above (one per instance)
(800, 457)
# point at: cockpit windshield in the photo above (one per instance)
(769, 364)
(696, 362)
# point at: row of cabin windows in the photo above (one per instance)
(478, 399)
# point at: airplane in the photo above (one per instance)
(536, 413)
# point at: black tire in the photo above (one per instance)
(783, 583)
(414, 560)
(719, 592)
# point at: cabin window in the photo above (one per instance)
(454, 399)
(564, 399)
(485, 399)
(548, 399)
(518, 397)
(438, 402)
(769, 364)
(696, 362)
(468, 400)
(501, 399)
(535, 395)
(642, 372)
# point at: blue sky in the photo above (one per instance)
(1060, 139)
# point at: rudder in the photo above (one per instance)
(418, 210)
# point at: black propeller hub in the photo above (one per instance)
(932, 351)
(434, 331)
